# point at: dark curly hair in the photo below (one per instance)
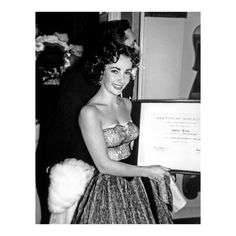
(108, 53)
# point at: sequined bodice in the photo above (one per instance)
(118, 140)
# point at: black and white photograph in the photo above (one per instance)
(118, 117)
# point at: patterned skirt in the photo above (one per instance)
(116, 200)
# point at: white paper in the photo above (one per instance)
(170, 135)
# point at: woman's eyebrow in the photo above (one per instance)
(117, 68)
(114, 67)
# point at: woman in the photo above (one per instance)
(108, 132)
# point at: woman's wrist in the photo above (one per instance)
(144, 171)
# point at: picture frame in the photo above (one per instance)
(169, 134)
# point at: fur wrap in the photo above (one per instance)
(68, 181)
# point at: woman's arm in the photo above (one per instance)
(92, 132)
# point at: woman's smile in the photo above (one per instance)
(118, 86)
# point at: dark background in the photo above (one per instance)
(81, 27)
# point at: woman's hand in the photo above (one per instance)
(157, 172)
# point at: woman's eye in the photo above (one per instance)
(128, 74)
(115, 71)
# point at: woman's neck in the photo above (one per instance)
(107, 98)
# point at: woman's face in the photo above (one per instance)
(117, 75)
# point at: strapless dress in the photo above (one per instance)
(114, 200)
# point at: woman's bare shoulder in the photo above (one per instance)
(89, 112)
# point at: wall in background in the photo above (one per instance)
(167, 55)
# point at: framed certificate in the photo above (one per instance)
(170, 134)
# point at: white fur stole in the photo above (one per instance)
(68, 181)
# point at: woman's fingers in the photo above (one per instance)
(165, 168)
(165, 171)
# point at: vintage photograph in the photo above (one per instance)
(117, 117)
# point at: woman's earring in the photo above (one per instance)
(100, 81)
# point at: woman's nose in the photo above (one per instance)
(122, 78)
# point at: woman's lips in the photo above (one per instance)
(118, 87)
